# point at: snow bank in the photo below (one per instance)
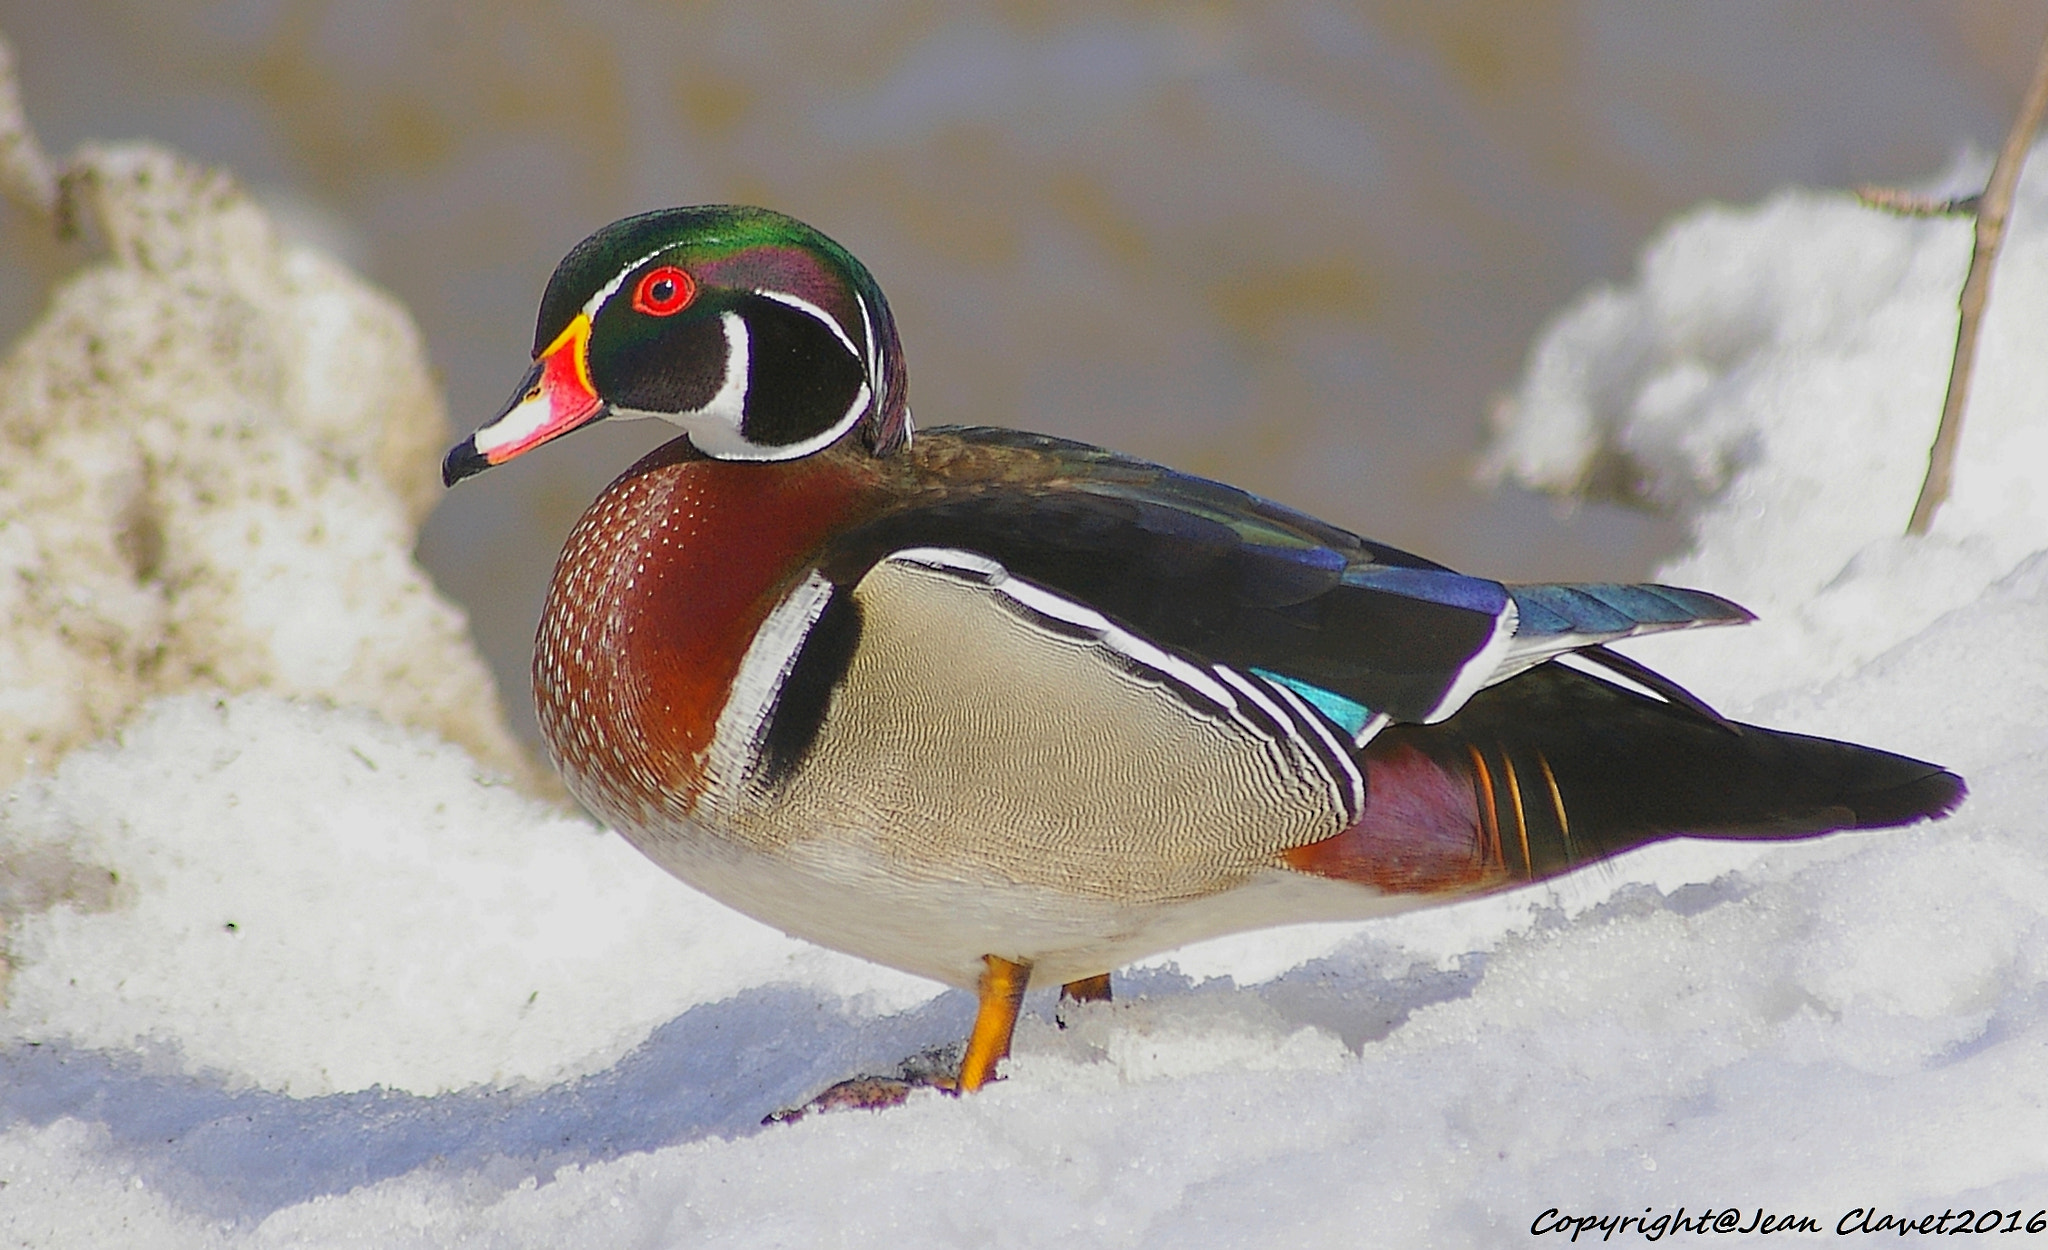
(449, 1015)
(215, 449)
(1776, 374)
(296, 896)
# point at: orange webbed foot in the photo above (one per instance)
(1001, 994)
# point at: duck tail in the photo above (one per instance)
(1558, 768)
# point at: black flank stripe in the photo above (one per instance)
(1256, 716)
(1336, 764)
(793, 723)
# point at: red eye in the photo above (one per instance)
(663, 291)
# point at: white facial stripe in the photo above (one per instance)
(854, 412)
(609, 289)
(877, 367)
(1475, 672)
(821, 441)
(727, 443)
(861, 399)
(715, 428)
(766, 666)
(730, 403)
(809, 309)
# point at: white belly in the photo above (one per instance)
(839, 893)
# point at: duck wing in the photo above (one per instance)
(1214, 576)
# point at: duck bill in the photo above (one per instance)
(555, 398)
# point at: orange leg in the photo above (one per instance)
(1087, 990)
(1002, 993)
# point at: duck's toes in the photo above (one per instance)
(862, 1093)
(938, 1068)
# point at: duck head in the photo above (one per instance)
(755, 334)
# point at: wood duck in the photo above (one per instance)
(1001, 709)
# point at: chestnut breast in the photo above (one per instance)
(658, 592)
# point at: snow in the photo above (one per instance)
(1775, 374)
(450, 1013)
(282, 864)
(215, 448)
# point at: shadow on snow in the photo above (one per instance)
(713, 1071)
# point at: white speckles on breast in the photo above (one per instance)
(580, 663)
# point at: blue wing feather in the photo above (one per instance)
(1347, 715)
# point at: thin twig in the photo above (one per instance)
(1991, 218)
(1914, 204)
(26, 175)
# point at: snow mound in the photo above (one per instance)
(311, 900)
(1776, 374)
(215, 448)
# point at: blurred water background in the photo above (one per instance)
(1299, 245)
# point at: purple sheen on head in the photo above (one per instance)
(790, 271)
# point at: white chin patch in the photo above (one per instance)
(715, 428)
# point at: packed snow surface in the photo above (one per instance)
(285, 973)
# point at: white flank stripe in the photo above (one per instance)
(1061, 608)
(1058, 607)
(1476, 671)
(1340, 755)
(1366, 732)
(1291, 718)
(955, 559)
(1129, 644)
(737, 740)
(1371, 729)
(1599, 672)
(1252, 692)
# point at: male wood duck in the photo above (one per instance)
(1005, 710)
